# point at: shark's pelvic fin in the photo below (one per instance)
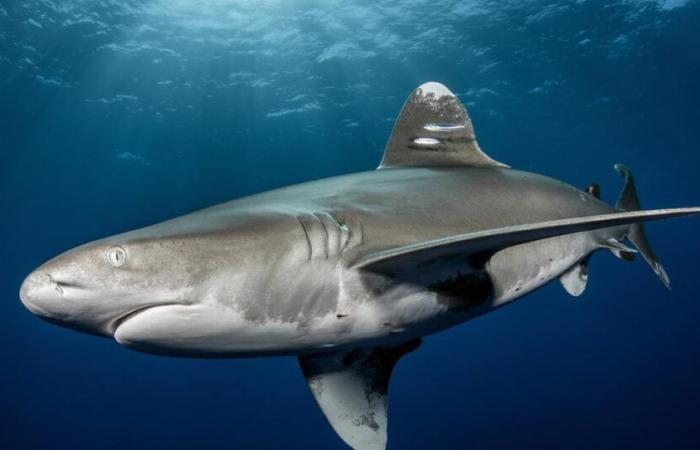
(433, 129)
(351, 389)
(628, 201)
(575, 279)
(409, 256)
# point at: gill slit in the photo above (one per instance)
(325, 232)
(306, 235)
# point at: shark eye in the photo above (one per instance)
(116, 256)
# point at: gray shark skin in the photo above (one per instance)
(347, 273)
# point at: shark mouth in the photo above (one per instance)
(119, 321)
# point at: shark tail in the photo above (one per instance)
(628, 201)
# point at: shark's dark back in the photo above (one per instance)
(404, 205)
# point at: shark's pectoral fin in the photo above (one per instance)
(490, 241)
(575, 279)
(433, 129)
(351, 389)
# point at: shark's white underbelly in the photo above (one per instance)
(404, 310)
(519, 270)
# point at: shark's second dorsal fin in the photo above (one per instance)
(434, 129)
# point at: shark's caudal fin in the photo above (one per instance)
(628, 201)
(351, 389)
(434, 129)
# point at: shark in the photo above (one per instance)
(348, 273)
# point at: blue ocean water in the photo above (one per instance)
(116, 114)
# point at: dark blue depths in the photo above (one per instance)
(118, 114)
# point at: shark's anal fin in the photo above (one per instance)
(620, 250)
(575, 279)
(351, 389)
(433, 129)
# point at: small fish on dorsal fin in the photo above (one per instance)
(433, 129)
(351, 389)
(575, 279)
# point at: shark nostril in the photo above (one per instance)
(40, 292)
(56, 285)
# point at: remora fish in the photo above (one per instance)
(350, 272)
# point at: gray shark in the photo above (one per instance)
(347, 273)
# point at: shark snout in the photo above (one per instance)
(55, 301)
(40, 293)
(97, 287)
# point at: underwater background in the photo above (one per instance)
(116, 114)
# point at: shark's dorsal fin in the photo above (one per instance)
(351, 389)
(434, 129)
